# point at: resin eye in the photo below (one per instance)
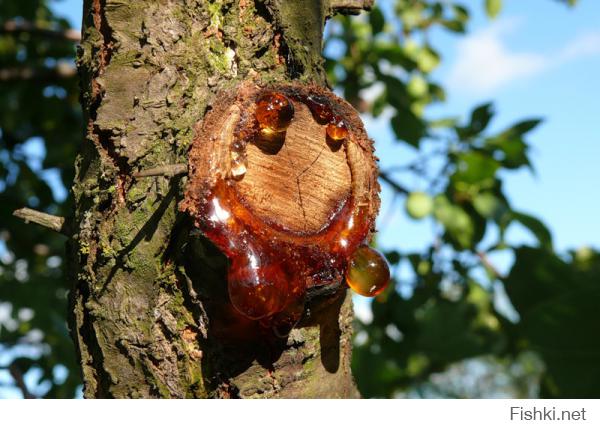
(257, 288)
(274, 112)
(337, 129)
(319, 108)
(368, 273)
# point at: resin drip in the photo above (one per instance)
(272, 266)
(269, 274)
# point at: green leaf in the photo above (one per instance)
(449, 331)
(379, 104)
(395, 54)
(457, 222)
(537, 228)
(489, 206)
(436, 92)
(461, 13)
(521, 128)
(377, 20)
(408, 127)
(480, 118)
(393, 257)
(558, 305)
(397, 94)
(475, 168)
(454, 25)
(493, 7)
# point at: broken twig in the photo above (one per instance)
(54, 223)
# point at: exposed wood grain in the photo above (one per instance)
(296, 183)
(303, 182)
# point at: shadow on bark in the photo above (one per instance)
(232, 344)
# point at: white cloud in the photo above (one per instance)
(485, 63)
(585, 45)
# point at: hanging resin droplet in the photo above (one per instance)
(274, 112)
(337, 129)
(368, 273)
(257, 287)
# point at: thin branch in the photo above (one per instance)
(54, 223)
(17, 375)
(395, 185)
(350, 7)
(62, 71)
(18, 27)
(483, 257)
(163, 170)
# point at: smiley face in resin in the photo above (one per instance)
(368, 273)
(270, 269)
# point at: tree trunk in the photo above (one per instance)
(145, 282)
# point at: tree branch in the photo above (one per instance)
(54, 223)
(483, 257)
(163, 170)
(350, 7)
(18, 27)
(397, 187)
(62, 71)
(17, 375)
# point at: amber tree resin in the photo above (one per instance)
(367, 273)
(297, 216)
(273, 112)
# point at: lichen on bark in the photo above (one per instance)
(142, 278)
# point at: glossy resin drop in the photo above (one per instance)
(337, 129)
(368, 273)
(320, 108)
(257, 287)
(274, 112)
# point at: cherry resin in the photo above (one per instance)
(368, 273)
(274, 112)
(269, 274)
(337, 129)
(271, 268)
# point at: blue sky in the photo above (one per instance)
(540, 59)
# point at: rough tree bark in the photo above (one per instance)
(142, 277)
